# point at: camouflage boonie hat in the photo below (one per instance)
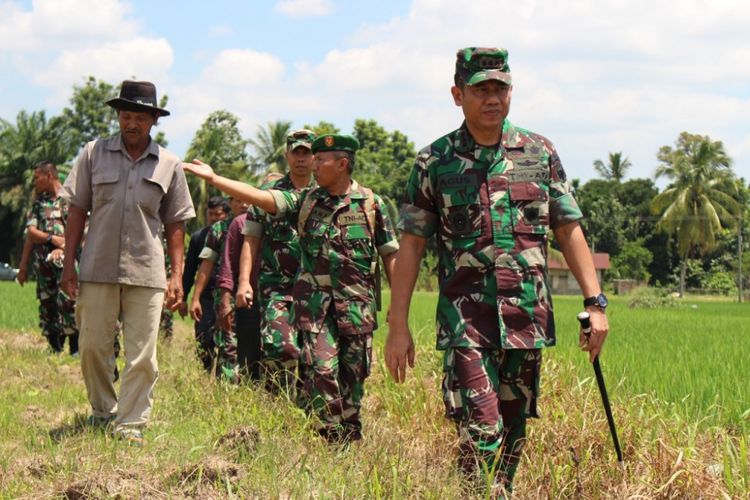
(333, 142)
(301, 137)
(477, 64)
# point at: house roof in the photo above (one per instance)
(601, 261)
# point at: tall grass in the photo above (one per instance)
(210, 440)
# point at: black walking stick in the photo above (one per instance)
(583, 318)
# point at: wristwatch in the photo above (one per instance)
(599, 301)
(48, 239)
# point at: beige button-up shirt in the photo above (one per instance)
(128, 202)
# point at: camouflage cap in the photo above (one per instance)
(334, 142)
(301, 137)
(477, 64)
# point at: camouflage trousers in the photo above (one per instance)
(227, 361)
(490, 393)
(334, 369)
(56, 310)
(280, 346)
(204, 332)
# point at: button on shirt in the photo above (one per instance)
(129, 200)
(491, 210)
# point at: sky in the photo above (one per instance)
(594, 76)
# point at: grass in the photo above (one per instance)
(693, 357)
(210, 440)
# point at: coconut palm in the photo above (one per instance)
(219, 143)
(31, 139)
(615, 169)
(270, 145)
(699, 203)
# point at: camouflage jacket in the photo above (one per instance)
(215, 241)
(213, 249)
(337, 252)
(48, 214)
(279, 247)
(491, 209)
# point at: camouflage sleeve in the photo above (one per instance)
(385, 236)
(418, 214)
(286, 201)
(209, 254)
(563, 207)
(213, 243)
(254, 222)
(32, 217)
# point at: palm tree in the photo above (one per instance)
(31, 139)
(698, 203)
(270, 146)
(219, 143)
(615, 169)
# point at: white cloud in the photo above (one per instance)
(144, 58)
(253, 85)
(73, 23)
(56, 43)
(595, 76)
(243, 68)
(304, 8)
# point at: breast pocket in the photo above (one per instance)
(461, 221)
(530, 205)
(104, 187)
(358, 244)
(149, 195)
(314, 236)
(281, 230)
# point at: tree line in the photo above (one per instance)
(691, 234)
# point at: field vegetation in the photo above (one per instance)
(677, 378)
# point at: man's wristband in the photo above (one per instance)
(599, 301)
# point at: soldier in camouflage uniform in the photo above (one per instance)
(275, 238)
(218, 209)
(45, 229)
(343, 227)
(490, 192)
(225, 340)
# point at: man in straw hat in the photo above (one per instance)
(128, 187)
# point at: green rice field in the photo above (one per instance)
(676, 378)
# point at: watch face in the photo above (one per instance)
(601, 300)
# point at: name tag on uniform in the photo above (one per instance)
(528, 174)
(350, 218)
(456, 181)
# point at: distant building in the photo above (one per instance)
(561, 278)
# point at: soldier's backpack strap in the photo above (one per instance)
(370, 216)
(370, 211)
(308, 204)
